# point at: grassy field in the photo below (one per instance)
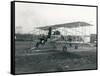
(52, 60)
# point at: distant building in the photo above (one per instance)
(93, 38)
(26, 37)
(23, 37)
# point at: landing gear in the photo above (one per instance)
(76, 46)
(64, 49)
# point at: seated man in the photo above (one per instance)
(43, 39)
(49, 33)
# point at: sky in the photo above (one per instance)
(28, 16)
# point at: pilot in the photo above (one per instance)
(49, 33)
(43, 39)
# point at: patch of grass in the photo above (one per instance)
(57, 61)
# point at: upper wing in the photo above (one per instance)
(66, 25)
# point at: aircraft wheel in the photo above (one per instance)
(64, 49)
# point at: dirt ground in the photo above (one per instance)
(53, 60)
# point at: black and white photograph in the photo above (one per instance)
(51, 37)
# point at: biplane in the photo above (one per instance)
(59, 41)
